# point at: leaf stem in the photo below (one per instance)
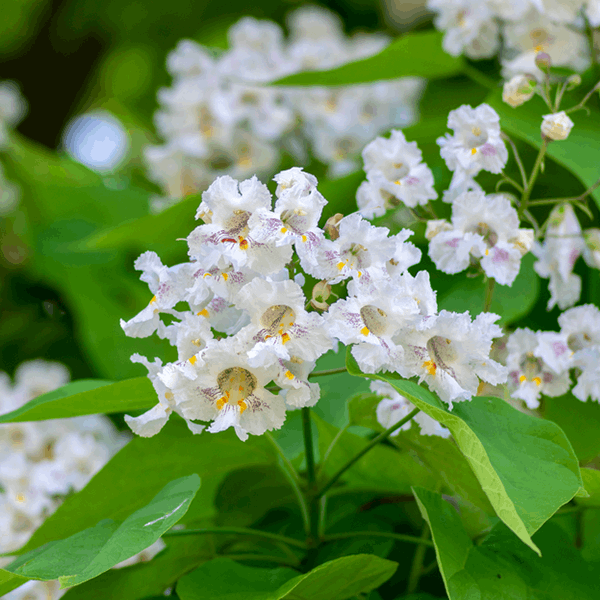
(237, 531)
(378, 439)
(411, 539)
(416, 569)
(327, 372)
(290, 473)
(489, 292)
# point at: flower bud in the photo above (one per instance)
(331, 226)
(320, 295)
(543, 61)
(573, 81)
(591, 252)
(557, 126)
(518, 90)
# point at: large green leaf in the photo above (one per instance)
(382, 469)
(579, 420)
(580, 152)
(86, 397)
(412, 55)
(142, 468)
(525, 465)
(148, 578)
(93, 551)
(10, 581)
(500, 568)
(224, 579)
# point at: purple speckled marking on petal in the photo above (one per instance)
(547, 377)
(488, 150)
(515, 376)
(217, 304)
(453, 243)
(212, 393)
(412, 180)
(396, 406)
(573, 256)
(500, 255)
(236, 276)
(559, 348)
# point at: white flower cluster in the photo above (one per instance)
(221, 117)
(540, 362)
(518, 30)
(248, 334)
(43, 461)
(12, 110)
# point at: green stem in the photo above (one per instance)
(263, 557)
(585, 99)
(489, 292)
(517, 158)
(237, 531)
(512, 182)
(430, 567)
(334, 441)
(416, 569)
(290, 473)
(377, 440)
(534, 174)
(411, 539)
(327, 372)
(314, 513)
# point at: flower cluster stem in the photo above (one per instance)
(532, 179)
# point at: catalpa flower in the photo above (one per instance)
(280, 323)
(227, 206)
(476, 143)
(229, 392)
(485, 228)
(529, 376)
(394, 167)
(451, 353)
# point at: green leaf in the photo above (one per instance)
(86, 397)
(412, 55)
(579, 420)
(381, 469)
(93, 551)
(10, 582)
(146, 579)
(525, 465)
(362, 410)
(460, 293)
(165, 227)
(580, 152)
(142, 468)
(500, 568)
(224, 579)
(591, 481)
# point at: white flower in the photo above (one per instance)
(395, 407)
(451, 353)
(592, 12)
(591, 252)
(395, 166)
(469, 25)
(359, 246)
(279, 322)
(485, 228)
(228, 206)
(476, 143)
(557, 126)
(462, 181)
(168, 285)
(557, 256)
(153, 420)
(529, 376)
(12, 108)
(588, 380)
(518, 90)
(298, 391)
(189, 335)
(231, 393)
(371, 317)
(581, 326)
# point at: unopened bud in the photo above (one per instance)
(331, 226)
(543, 61)
(557, 126)
(573, 81)
(591, 252)
(518, 90)
(320, 295)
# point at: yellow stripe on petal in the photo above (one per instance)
(365, 331)
(192, 360)
(289, 375)
(537, 381)
(285, 338)
(243, 406)
(203, 313)
(221, 403)
(522, 378)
